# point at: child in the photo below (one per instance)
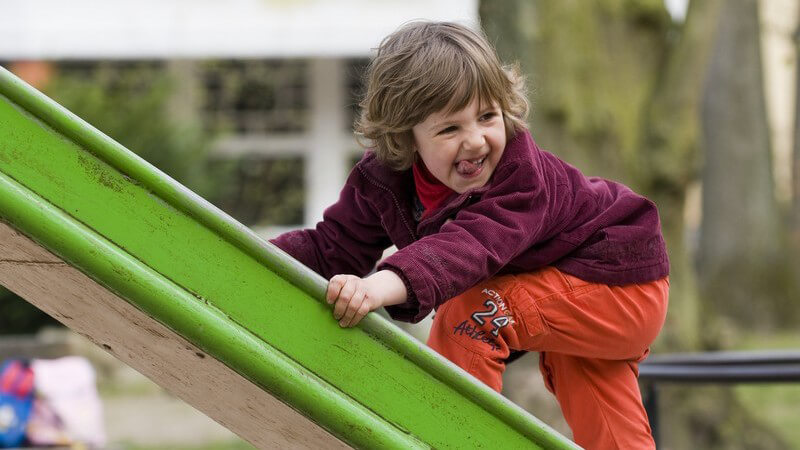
(515, 249)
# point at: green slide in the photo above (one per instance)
(121, 253)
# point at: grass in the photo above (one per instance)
(224, 445)
(774, 403)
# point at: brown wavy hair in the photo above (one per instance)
(426, 67)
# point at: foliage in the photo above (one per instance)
(226, 445)
(747, 260)
(18, 316)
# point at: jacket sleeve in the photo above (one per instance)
(350, 238)
(510, 217)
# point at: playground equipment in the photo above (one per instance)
(116, 250)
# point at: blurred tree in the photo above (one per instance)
(796, 159)
(670, 138)
(746, 273)
(19, 317)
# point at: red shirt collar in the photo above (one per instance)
(430, 191)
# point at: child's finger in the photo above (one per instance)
(334, 287)
(340, 307)
(360, 314)
(344, 298)
(352, 308)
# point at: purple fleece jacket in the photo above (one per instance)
(535, 211)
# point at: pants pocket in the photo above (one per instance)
(529, 317)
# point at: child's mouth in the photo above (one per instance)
(470, 168)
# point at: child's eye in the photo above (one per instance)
(449, 129)
(489, 116)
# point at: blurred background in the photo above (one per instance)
(250, 103)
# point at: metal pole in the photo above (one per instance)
(651, 408)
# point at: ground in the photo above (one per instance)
(141, 415)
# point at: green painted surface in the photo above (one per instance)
(205, 326)
(393, 388)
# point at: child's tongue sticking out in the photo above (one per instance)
(465, 167)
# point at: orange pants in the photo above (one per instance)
(590, 338)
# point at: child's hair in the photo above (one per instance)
(426, 67)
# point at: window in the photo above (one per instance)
(259, 190)
(256, 96)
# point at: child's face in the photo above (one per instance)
(461, 149)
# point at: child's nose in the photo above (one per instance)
(474, 139)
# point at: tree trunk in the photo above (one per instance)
(744, 270)
(592, 67)
(670, 143)
(796, 153)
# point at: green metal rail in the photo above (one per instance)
(188, 265)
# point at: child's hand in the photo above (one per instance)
(353, 297)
